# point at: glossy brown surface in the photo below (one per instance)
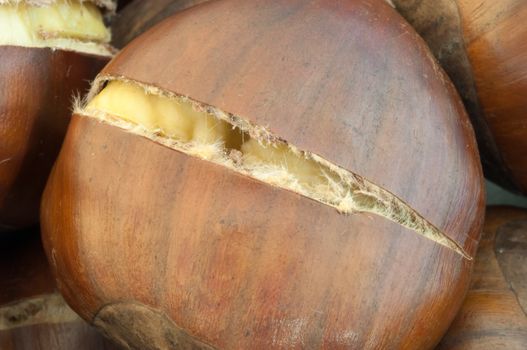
(138, 16)
(235, 263)
(496, 42)
(482, 44)
(36, 93)
(25, 276)
(493, 315)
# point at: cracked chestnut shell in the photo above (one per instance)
(37, 86)
(199, 255)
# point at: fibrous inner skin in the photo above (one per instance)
(63, 24)
(213, 135)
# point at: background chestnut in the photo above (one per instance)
(40, 74)
(493, 314)
(482, 46)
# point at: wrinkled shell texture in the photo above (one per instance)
(234, 262)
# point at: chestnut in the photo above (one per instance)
(268, 174)
(493, 315)
(482, 45)
(49, 50)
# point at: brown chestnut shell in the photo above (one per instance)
(482, 46)
(37, 87)
(138, 230)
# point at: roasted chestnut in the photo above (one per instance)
(268, 174)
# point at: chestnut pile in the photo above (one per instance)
(243, 174)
